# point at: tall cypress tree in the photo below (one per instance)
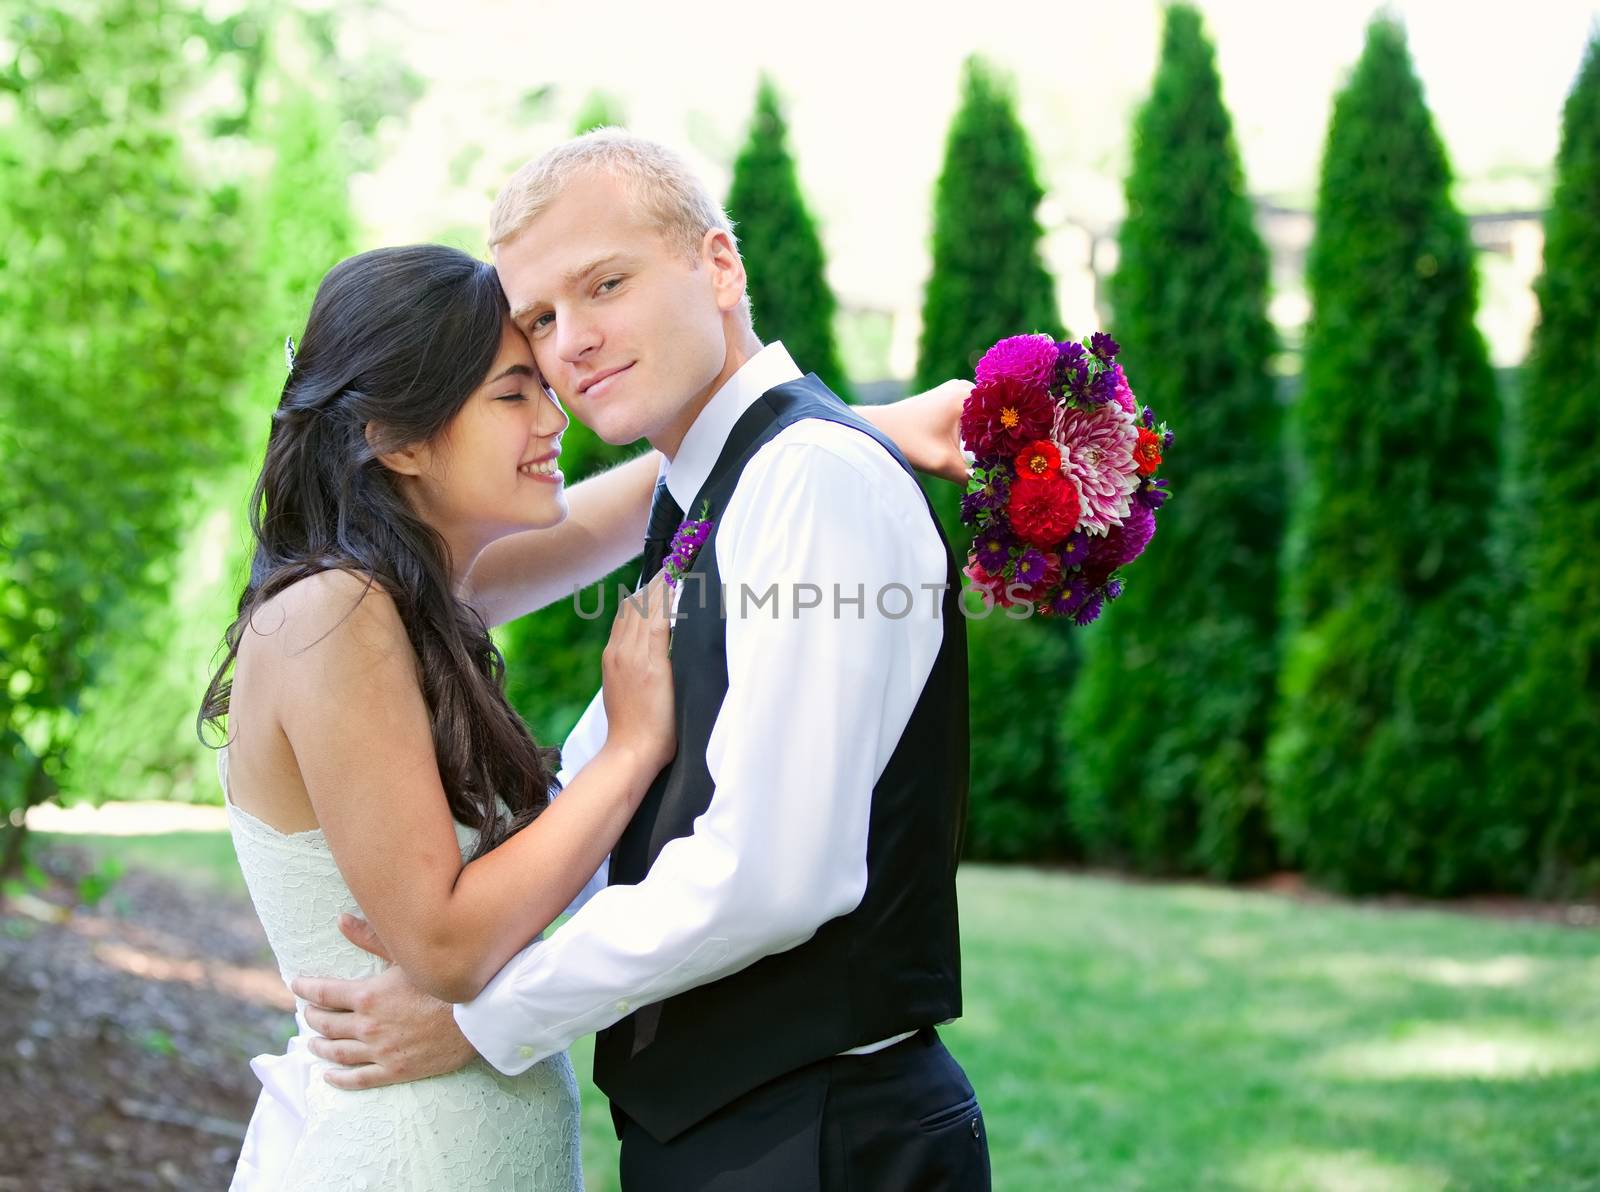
(1176, 686)
(1379, 762)
(789, 293)
(1547, 747)
(988, 282)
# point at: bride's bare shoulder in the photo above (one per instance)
(333, 610)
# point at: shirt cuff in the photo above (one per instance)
(493, 1026)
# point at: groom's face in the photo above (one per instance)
(626, 327)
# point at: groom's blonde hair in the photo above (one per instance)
(664, 189)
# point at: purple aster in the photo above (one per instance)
(1101, 388)
(1072, 367)
(1028, 358)
(1149, 418)
(1103, 346)
(1091, 609)
(1113, 589)
(1031, 566)
(991, 495)
(1166, 440)
(1152, 494)
(1078, 549)
(1071, 596)
(993, 548)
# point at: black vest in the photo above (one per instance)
(891, 965)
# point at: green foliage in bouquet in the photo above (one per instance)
(789, 293)
(1378, 765)
(989, 282)
(1547, 738)
(1167, 723)
(120, 319)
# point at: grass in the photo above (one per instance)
(1155, 1037)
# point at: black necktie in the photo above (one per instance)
(666, 515)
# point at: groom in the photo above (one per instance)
(778, 938)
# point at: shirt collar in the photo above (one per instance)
(689, 469)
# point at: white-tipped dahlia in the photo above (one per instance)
(1097, 453)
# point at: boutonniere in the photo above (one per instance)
(686, 544)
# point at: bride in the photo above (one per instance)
(410, 498)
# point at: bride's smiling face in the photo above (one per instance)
(494, 468)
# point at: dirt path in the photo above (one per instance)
(126, 1031)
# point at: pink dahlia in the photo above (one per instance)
(1029, 358)
(1122, 394)
(990, 583)
(1097, 448)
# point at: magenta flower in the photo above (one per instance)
(1027, 358)
(1126, 542)
(1123, 393)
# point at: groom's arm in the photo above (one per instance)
(814, 707)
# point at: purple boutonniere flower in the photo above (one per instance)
(686, 544)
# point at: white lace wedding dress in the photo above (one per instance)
(469, 1130)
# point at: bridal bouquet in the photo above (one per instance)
(1063, 491)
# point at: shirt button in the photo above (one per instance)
(525, 1052)
(622, 1006)
(975, 1131)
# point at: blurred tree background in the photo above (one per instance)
(790, 298)
(1362, 644)
(1546, 747)
(1392, 656)
(1169, 714)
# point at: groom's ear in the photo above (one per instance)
(410, 460)
(720, 255)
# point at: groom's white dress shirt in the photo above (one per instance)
(817, 699)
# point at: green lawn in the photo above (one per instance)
(1190, 1037)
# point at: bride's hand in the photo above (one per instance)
(927, 429)
(637, 674)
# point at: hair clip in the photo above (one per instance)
(288, 352)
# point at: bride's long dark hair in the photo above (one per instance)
(398, 338)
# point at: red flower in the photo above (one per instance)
(1039, 460)
(1147, 453)
(1002, 415)
(1044, 512)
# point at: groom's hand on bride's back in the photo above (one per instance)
(382, 1029)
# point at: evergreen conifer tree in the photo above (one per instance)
(1547, 738)
(789, 294)
(1378, 764)
(1167, 725)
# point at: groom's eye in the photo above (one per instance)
(610, 284)
(541, 322)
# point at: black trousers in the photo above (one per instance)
(904, 1119)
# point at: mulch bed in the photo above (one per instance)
(126, 1031)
